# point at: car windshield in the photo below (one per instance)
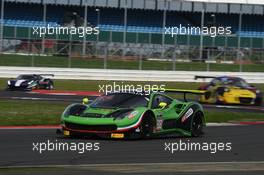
(120, 100)
(25, 77)
(236, 82)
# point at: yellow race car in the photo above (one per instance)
(229, 90)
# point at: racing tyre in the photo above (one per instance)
(258, 101)
(207, 95)
(50, 86)
(146, 127)
(197, 125)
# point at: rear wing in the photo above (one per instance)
(197, 92)
(46, 75)
(196, 77)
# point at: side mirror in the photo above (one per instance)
(85, 101)
(162, 105)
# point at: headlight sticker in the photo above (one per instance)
(132, 114)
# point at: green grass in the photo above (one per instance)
(55, 61)
(30, 112)
(3, 83)
(48, 113)
(224, 116)
(15, 113)
(93, 85)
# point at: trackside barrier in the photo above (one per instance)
(125, 75)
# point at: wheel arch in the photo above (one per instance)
(199, 112)
(150, 113)
(48, 80)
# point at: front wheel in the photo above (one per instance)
(197, 125)
(258, 101)
(146, 127)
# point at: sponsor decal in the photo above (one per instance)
(132, 114)
(66, 133)
(117, 135)
(137, 130)
(159, 124)
(187, 115)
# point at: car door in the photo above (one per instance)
(161, 113)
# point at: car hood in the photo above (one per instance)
(100, 116)
(18, 82)
(104, 112)
(242, 92)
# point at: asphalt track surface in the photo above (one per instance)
(20, 95)
(136, 156)
(16, 148)
(131, 157)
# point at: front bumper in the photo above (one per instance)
(97, 128)
(18, 88)
(238, 100)
(108, 131)
(68, 132)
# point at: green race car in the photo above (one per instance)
(132, 115)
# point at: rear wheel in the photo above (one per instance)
(197, 125)
(50, 86)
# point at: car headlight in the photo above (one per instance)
(75, 109)
(8, 82)
(121, 114)
(226, 90)
(65, 113)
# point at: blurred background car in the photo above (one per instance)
(229, 90)
(30, 82)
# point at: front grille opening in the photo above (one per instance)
(90, 127)
(245, 100)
